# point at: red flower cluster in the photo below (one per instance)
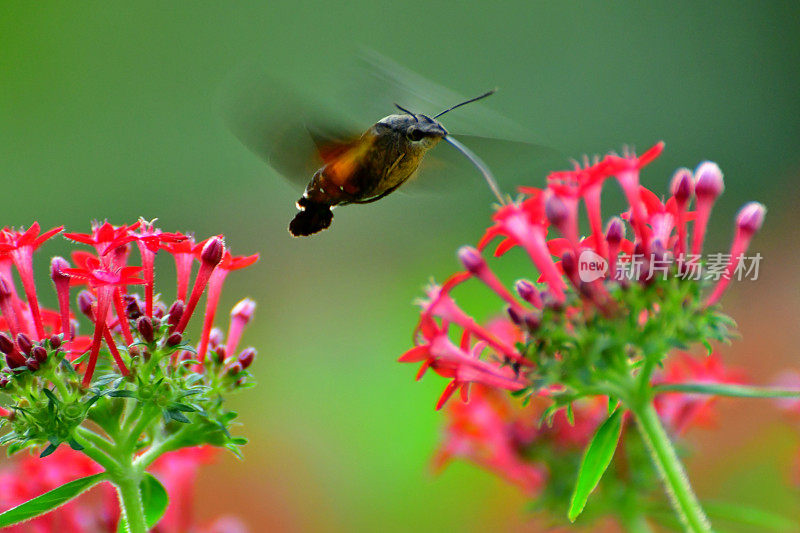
(661, 234)
(26, 477)
(108, 302)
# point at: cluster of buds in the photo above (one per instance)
(134, 340)
(580, 321)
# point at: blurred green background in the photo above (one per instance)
(112, 110)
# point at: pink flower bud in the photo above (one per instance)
(24, 343)
(219, 352)
(32, 364)
(471, 259)
(234, 370)
(556, 210)
(528, 292)
(243, 311)
(174, 339)
(145, 327)
(615, 231)
(215, 338)
(682, 186)
(39, 353)
(175, 313)
(57, 266)
(55, 342)
(213, 251)
(246, 357)
(86, 302)
(6, 344)
(708, 180)
(751, 217)
(15, 359)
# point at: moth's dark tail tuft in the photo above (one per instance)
(312, 218)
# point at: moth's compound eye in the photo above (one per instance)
(415, 134)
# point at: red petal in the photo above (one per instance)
(415, 354)
(448, 392)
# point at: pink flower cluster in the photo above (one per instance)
(662, 231)
(108, 302)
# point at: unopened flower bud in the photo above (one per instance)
(55, 342)
(86, 301)
(708, 180)
(134, 352)
(174, 339)
(682, 186)
(246, 357)
(513, 315)
(555, 210)
(471, 259)
(175, 313)
(24, 343)
(132, 307)
(751, 217)
(243, 311)
(32, 364)
(532, 322)
(234, 370)
(57, 266)
(528, 292)
(220, 354)
(15, 359)
(4, 381)
(145, 327)
(615, 231)
(213, 251)
(159, 310)
(215, 338)
(39, 353)
(6, 344)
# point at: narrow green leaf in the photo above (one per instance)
(595, 462)
(49, 500)
(154, 500)
(750, 516)
(174, 414)
(725, 389)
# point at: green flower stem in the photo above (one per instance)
(130, 497)
(159, 448)
(669, 468)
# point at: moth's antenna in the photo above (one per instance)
(406, 111)
(479, 164)
(484, 95)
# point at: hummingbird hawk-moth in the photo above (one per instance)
(340, 168)
(371, 167)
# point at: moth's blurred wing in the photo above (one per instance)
(294, 136)
(513, 163)
(388, 82)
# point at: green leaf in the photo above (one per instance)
(595, 462)
(49, 500)
(154, 500)
(724, 389)
(121, 394)
(750, 516)
(174, 414)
